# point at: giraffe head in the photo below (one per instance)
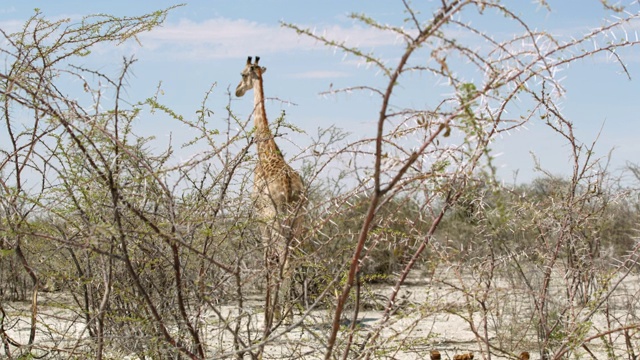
(251, 74)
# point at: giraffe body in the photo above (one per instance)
(278, 197)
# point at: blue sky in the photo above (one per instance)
(208, 41)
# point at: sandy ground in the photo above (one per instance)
(427, 317)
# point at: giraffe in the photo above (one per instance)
(278, 197)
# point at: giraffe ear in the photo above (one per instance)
(263, 69)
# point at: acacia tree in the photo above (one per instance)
(91, 175)
(434, 153)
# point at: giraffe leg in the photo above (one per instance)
(268, 303)
(282, 304)
(277, 305)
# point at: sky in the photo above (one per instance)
(206, 42)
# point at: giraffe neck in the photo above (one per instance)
(264, 138)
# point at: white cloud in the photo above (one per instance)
(226, 38)
(11, 26)
(320, 74)
(8, 10)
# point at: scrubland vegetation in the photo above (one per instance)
(110, 248)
